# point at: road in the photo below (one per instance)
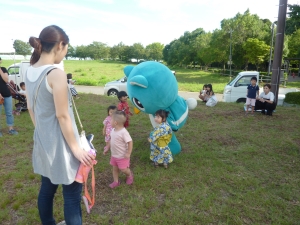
(100, 91)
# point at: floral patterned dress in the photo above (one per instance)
(159, 140)
(107, 123)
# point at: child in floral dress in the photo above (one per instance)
(159, 139)
(107, 125)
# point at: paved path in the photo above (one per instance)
(100, 91)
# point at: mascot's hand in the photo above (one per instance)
(191, 103)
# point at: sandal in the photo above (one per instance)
(155, 164)
(166, 165)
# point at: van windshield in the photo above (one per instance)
(233, 81)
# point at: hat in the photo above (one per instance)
(122, 94)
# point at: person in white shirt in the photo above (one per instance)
(23, 89)
(265, 101)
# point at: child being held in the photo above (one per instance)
(252, 93)
(107, 125)
(71, 83)
(123, 106)
(203, 92)
(159, 139)
(121, 148)
(23, 89)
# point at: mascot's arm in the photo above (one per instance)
(178, 113)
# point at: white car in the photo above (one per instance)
(112, 88)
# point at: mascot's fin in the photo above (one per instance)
(139, 80)
(127, 70)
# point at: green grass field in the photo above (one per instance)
(233, 169)
(97, 73)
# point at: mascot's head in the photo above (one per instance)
(151, 86)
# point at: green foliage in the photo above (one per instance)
(293, 22)
(22, 48)
(154, 51)
(256, 51)
(294, 45)
(292, 98)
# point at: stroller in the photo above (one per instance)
(21, 105)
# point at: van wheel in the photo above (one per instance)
(241, 100)
(112, 93)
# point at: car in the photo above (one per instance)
(112, 88)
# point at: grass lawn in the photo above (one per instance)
(97, 73)
(233, 169)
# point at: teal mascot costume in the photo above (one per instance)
(152, 86)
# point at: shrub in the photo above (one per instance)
(292, 98)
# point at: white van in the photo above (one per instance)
(17, 71)
(236, 90)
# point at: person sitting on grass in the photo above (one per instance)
(265, 101)
(203, 92)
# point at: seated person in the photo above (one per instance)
(207, 93)
(202, 92)
(265, 101)
(23, 90)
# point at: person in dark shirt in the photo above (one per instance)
(5, 93)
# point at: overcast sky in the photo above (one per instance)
(129, 21)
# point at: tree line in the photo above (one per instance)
(242, 40)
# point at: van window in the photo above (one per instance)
(13, 70)
(244, 81)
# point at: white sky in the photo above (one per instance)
(129, 21)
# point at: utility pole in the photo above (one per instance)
(276, 69)
(230, 55)
(271, 48)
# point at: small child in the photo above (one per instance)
(121, 148)
(23, 90)
(203, 92)
(71, 85)
(159, 140)
(252, 93)
(123, 106)
(107, 125)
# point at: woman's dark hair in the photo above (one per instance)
(204, 86)
(211, 89)
(268, 85)
(163, 114)
(111, 107)
(69, 76)
(48, 38)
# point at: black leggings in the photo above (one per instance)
(265, 106)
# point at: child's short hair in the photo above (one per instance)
(69, 76)
(204, 86)
(254, 78)
(122, 94)
(163, 114)
(22, 84)
(268, 85)
(111, 107)
(119, 116)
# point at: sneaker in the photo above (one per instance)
(1, 134)
(114, 184)
(129, 180)
(61, 223)
(13, 132)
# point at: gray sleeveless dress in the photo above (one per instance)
(52, 157)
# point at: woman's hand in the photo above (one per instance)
(84, 157)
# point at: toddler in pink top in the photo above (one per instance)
(121, 148)
(107, 125)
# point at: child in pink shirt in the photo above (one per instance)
(107, 125)
(121, 148)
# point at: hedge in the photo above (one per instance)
(292, 98)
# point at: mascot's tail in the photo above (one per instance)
(174, 145)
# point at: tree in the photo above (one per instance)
(98, 50)
(293, 22)
(294, 45)
(71, 51)
(82, 52)
(256, 51)
(22, 48)
(138, 51)
(154, 51)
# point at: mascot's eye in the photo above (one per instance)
(138, 104)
